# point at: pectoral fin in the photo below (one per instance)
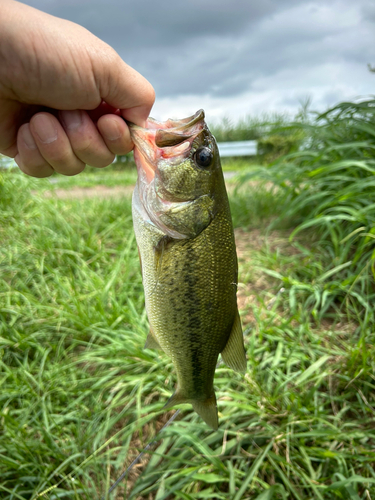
(151, 342)
(234, 352)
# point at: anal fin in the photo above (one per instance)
(233, 353)
(176, 399)
(151, 342)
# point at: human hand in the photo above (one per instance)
(50, 71)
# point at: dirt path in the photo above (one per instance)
(89, 192)
(117, 191)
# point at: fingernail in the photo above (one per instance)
(72, 119)
(27, 138)
(112, 130)
(45, 128)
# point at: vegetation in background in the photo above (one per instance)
(80, 397)
(329, 188)
(279, 142)
(248, 128)
(271, 131)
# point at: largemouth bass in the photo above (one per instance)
(185, 239)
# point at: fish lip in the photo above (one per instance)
(170, 124)
(150, 140)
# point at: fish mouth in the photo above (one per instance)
(171, 139)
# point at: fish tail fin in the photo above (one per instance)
(206, 409)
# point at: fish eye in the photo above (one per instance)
(203, 157)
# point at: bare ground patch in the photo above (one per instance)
(89, 192)
(253, 282)
(258, 289)
(140, 440)
(116, 191)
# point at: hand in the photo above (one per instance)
(50, 71)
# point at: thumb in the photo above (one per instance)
(124, 88)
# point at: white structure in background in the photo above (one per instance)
(237, 148)
(226, 149)
(6, 162)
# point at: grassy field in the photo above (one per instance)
(80, 397)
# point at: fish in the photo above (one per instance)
(186, 246)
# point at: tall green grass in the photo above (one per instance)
(80, 397)
(271, 131)
(329, 192)
(248, 128)
(69, 288)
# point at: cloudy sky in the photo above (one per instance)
(236, 57)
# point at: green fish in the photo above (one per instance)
(186, 245)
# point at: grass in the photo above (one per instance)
(76, 382)
(120, 174)
(271, 131)
(113, 176)
(328, 188)
(248, 128)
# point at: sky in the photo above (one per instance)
(235, 58)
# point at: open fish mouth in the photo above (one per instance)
(171, 140)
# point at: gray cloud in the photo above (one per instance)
(163, 22)
(227, 49)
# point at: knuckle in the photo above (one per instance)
(41, 172)
(59, 157)
(83, 147)
(75, 170)
(70, 168)
(150, 95)
(124, 149)
(102, 162)
(35, 170)
(92, 153)
(65, 163)
(10, 151)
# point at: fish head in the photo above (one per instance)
(179, 174)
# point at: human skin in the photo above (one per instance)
(52, 73)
